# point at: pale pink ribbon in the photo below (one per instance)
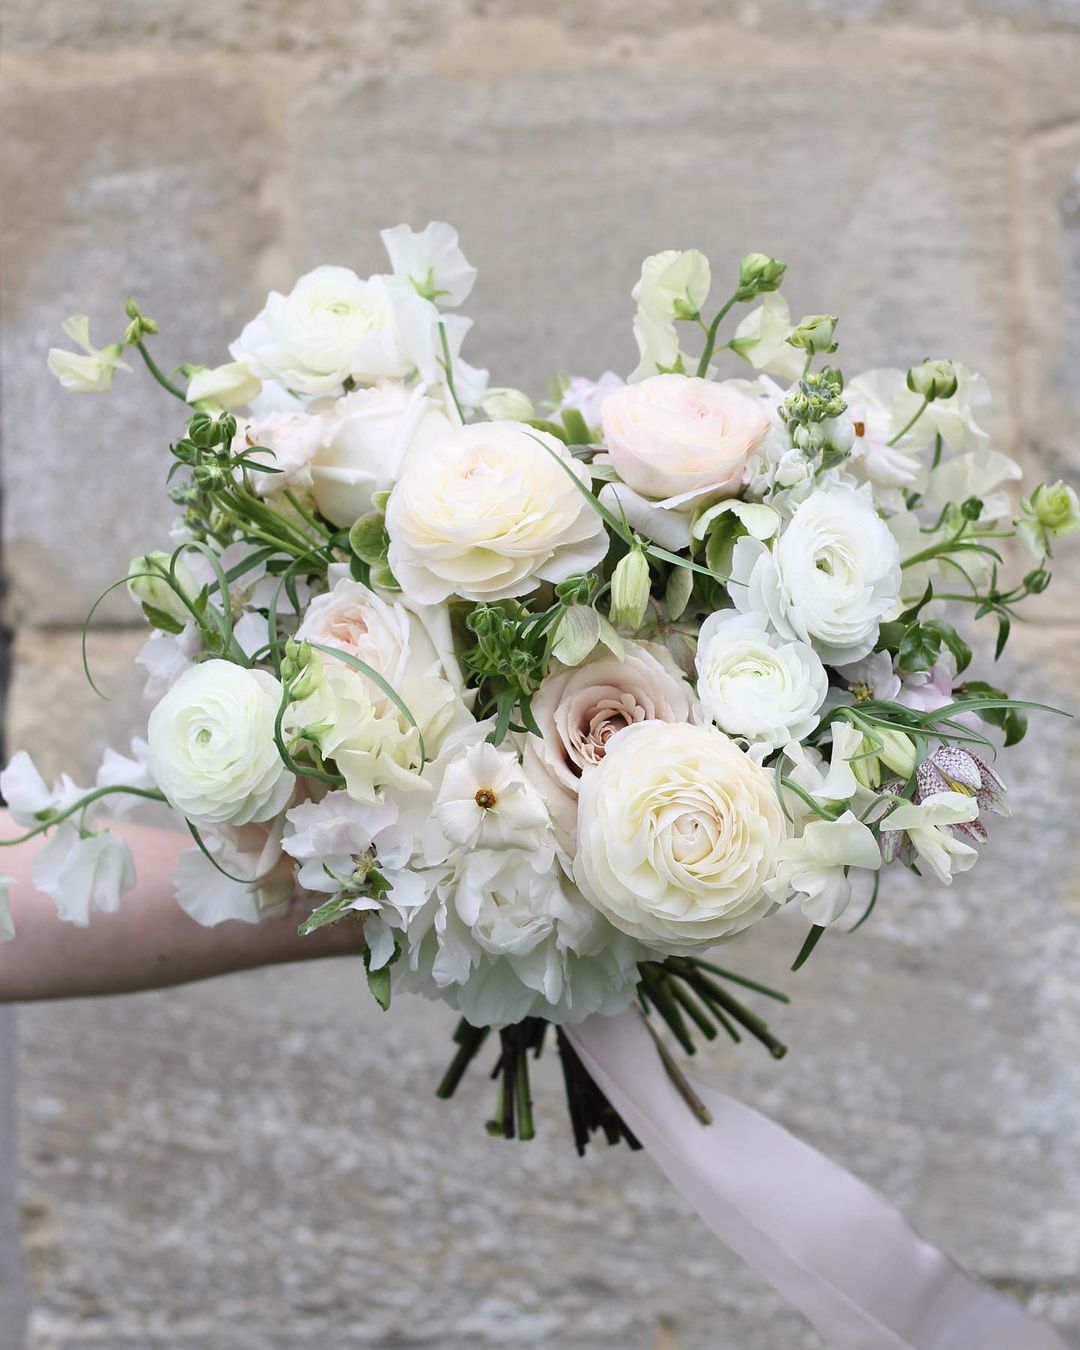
(831, 1246)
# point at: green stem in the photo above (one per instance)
(710, 337)
(150, 794)
(305, 514)
(155, 370)
(910, 422)
(448, 367)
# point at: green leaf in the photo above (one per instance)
(552, 428)
(1011, 720)
(335, 908)
(369, 540)
(158, 618)
(577, 429)
(920, 647)
(677, 596)
(379, 983)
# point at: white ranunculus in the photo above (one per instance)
(229, 386)
(761, 339)
(91, 372)
(815, 865)
(681, 441)
(578, 710)
(678, 832)
(286, 443)
(432, 260)
(489, 513)
(367, 437)
(754, 684)
(829, 579)
(212, 749)
(508, 936)
(333, 325)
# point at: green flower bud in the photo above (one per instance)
(301, 670)
(150, 586)
(933, 380)
(576, 588)
(508, 405)
(814, 333)
(759, 273)
(630, 590)
(1051, 512)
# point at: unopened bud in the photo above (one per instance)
(160, 591)
(933, 380)
(630, 590)
(508, 405)
(814, 333)
(759, 273)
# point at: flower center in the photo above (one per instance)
(485, 798)
(860, 428)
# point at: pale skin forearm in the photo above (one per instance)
(151, 943)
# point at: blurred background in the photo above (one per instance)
(260, 1162)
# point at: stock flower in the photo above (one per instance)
(91, 372)
(678, 832)
(829, 579)
(333, 326)
(212, 749)
(228, 386)
(486, 801)
(578, 710)
(366, 438)
(677, 442)
(286, 443)
(489, 513)
(432, 260)
(755, 685)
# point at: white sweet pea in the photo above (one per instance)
(80, 872)
(829, 579)
(90, 373)
(927, 823)
(761, 339)
(837, 783)
(432, 261)
(27, 796)
(206, 894)
(814, 865)
(229, 386)
(678, 831)
(119, 770)
(587, 396)
(978, 473)
(489, 513)
(7, 926)
(674, 284)
(367, 438)
(332, 326)
(212, 749)
(165, 657)
(487, 802)
(756, 686)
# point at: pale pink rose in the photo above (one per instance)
(679, 440)
(284, 441)
(578, 710)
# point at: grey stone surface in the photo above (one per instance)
(14, 1294)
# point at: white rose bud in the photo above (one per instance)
(212, 748)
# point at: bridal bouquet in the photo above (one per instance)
(556, 697)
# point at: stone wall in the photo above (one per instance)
(259, 1162)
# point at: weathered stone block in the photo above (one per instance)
(136, 186)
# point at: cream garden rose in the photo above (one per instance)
(678, 832)
(579, 709)
(829, 579)
(366, 439)
(212, 749)
(755, 685)
(286, 443)
(488, 513)
(676, 442)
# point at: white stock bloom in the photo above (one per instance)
(579, 709)
(815, 863)
(829, 579)
(678, 832)
(508, 936)
(926, 825)
(332, 326)
(761, 339)
(367, 437)
(486, 801)
(212, 749)
(91, 372)
(754, 684)
(489, 513)
(229, 386)
(432, 260)
(286, 443)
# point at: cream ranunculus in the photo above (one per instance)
(677, 442)
(333, 325)
(368, 435)
(678, 833)
(489, 513)
(754, 684)
(212, 749)
(830, 577)
(580, 709)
